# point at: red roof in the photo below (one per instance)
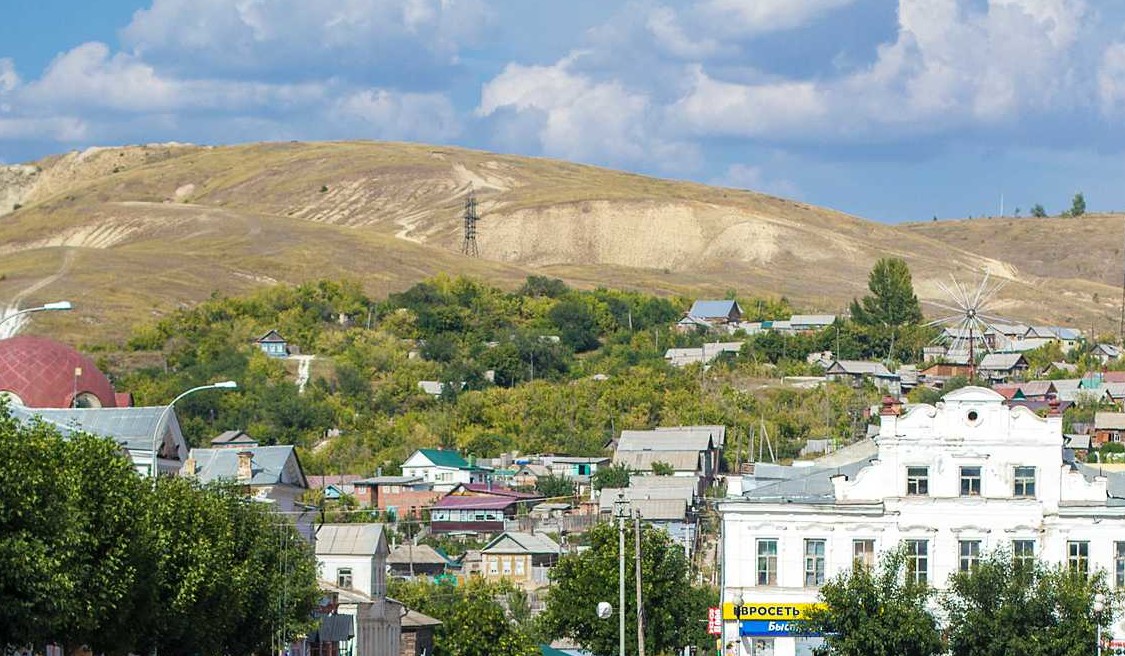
(495, 490)
(1113, 376)
(44, 373)
(482, 502)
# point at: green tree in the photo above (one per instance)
(892, 301)
(878, 611)
(662, 468)
(478, 618)
(612, 476)
(552, 486)
(672, 606)
(1038, 212)
(1003, 606)
(1077, 205)
(577, 326)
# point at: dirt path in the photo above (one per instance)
(303, 362)
(11, 327)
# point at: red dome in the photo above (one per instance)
(41, 373)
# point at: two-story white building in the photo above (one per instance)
(445, 470)
(950, 483)
(353, 562)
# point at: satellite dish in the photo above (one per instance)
(604, 610)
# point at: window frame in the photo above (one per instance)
(920, 482)
(864, 556)
(342, 582)
(1021, 487)
(918, 560)
(968, 555)
(1119, 564)
(815, 563)
(1021, 559)
(1078, 556)
(966, 475)
(769, 559)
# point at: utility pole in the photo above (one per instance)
(621, 511)
(640, 605)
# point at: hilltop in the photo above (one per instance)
(130, 233)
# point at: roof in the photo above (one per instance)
(268, 465)
(1109, 420)
(233, 438)
(271, 336)
(812, 319)
(132, 427)
(1077, 441)
(859, 367)
(650, 508)
(718, 432)
(376, 481)
(578, 460)
(348, 539)
(1110, 350)
(319, 481)
(1037, 388)
(491, 489)
(1001, 361)
(512, 542)
(713, 309)
(666, 440)
(442, 458)
(481, 502)
(414, 620)
(419, 554)
(812, 485)
(44, 373)
(644, 460)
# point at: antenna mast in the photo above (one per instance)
(469, 243)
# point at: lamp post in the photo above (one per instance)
(1099, 608)
(739, 601)
(227, 384)
(621, 511)
(46, 307)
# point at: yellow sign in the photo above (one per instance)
(766, 611)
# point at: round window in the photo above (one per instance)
(973, 417)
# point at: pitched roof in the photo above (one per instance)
(859, 367)
(1038, 388)
(491, 489)
(812, 319)
(414, 619)
(419, 554)
(321, 481)
(376, 481)
(481, 502)
(713, 309)
(132, 427)
(512, 542)
(684, 461)
(1109, 420)
(718, 432)
(348, 539)
(267, 464)
(442, 458)
(666, 440)
(655, 509)
(233, 438)
(271, 336)
(1001, 361)
(812, 485)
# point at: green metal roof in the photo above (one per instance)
(445, 458)
(548, 650)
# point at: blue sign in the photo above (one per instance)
(772, 628)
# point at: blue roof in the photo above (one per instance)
(712, 309)
(131, 427)
(267, 465)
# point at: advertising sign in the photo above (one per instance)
(771, 628)
(766, 611)
(714, 621)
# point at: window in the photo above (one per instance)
(1024, 482)
(863, 552)
(520, 567)
(814, 563)
(918, 560)
(970, 481)
(767, 562)
(1078, 556)
(507, 567)
(969, 553)
(917, 481)
(344, 578)
(1119, 564)
(493, 565)
(1023, 552)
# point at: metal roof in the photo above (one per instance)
(512, 542)
(442, 458)
(666, 440)
(376, 481)
(1109, 420)
(268, 465)
(812, 319)
(419, 554)
(348, 539)
(132, 427)
(718, 432)
(1001, 361)
(713, 309)
(482, 502)
(643, 460)
(859, 367)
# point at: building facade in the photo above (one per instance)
(949, 483)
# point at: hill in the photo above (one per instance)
(130, 233)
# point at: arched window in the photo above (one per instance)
(87, 400)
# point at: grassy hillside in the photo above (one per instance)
(129, 233)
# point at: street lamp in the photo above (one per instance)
(226, 384)
(1099, 608)
(621, 511)
(46, 307)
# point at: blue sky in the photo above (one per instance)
(892, 110)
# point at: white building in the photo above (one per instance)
(444, 469)
(951, 483)
(352, 559)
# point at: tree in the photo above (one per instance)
(672, 606)
(552, 486)
(662, 468)
(1038, 212)
(478, 618)
(1077, 205)
(577, 326)
(892, 301)
(878, 611)
(614, 476)
(1004, 606)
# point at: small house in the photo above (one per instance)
(472, 514)
(856, 372)
(1003, 366)
(1108, 427)
(1106, 353)
(405, 496)
(805, 323)
(409, 560)
(273, 345)
(522, 558)
(443, 469)
(716, 312)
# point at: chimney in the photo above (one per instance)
(245, 471)
(891, 406)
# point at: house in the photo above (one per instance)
(522, 558)
(335, 486)
(1037, 390)
(663, 508)
(856, 372)
(409, 560)
(473, 514)
(1003, 366)
(580, 469)
(949, 484)
(132, 428)
(704, 354)
(233, 439)
(443, 469)
(689, 451)
(437, 388)
(1062, 367)
(716, 312)
(418, 634)
(1108, 427)
(528, 474)
(1079, 443)
(405, 496)
(271, 474)
(352, 559)
(273, 345)
(804, 323)
(1106, 353)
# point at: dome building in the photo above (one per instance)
(37, 372)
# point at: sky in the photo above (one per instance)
(894, 110)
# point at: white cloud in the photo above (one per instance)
(755, 178)
(772, 109)
(382, 114)
(9, 79)
(1111, 80)
(61, 128)
(580, 118)
(762, 16)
